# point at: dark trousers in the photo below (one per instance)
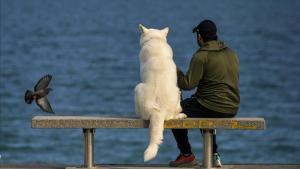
(193, 109)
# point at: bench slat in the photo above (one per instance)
(134, 122)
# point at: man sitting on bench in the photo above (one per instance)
(214, 70)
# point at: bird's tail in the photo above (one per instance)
(155, 135)
(28, 97)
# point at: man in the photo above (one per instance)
(214, 70)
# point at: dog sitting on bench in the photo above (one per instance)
(157, 97)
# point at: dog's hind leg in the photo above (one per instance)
(178, 110)
(139, 99)
(180, 116)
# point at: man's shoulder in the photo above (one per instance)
(200, 55)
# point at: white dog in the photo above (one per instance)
(157, 97)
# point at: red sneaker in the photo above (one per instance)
(183, 161)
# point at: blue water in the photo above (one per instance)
(91, 49)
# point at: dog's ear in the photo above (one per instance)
(165, 31)
(143, 29)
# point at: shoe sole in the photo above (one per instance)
(191, 164)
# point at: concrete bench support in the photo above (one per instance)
(88, 147)
(89, 124)
(207, 148)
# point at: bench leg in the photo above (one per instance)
(88, 148)
(207, 148)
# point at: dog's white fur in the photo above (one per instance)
(157, 97)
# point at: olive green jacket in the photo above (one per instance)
(214, 70)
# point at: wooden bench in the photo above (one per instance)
(89, 124)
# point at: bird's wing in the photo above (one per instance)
(44, 104)
(43, 82)
(28, 97)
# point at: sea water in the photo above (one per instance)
(91, 49)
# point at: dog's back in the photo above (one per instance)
(156, 61)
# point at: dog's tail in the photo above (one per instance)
(155, 135)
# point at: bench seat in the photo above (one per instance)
(134, 122)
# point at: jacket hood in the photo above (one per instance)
(214, 45)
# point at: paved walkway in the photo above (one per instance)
(142, 166)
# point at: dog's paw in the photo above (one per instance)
(181, 116)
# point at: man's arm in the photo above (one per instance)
(193, 75)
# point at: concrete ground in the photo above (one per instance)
(142, 166)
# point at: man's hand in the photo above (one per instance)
(178, 70)
(180, 75)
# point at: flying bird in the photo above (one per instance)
(40, 93)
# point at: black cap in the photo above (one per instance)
(207, 29)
